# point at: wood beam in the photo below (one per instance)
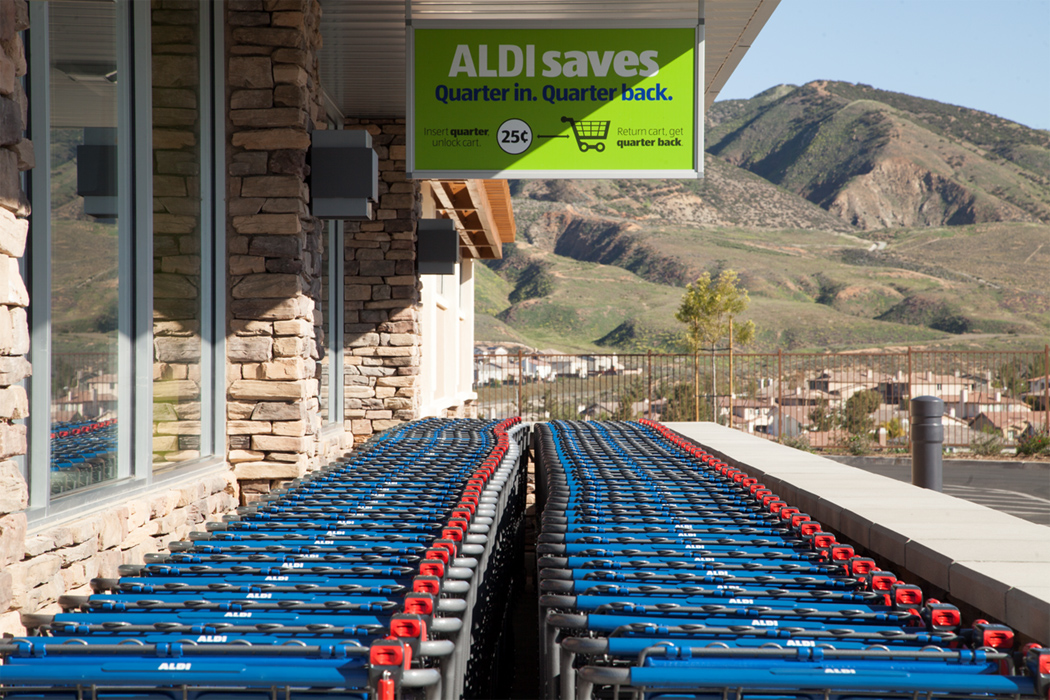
(467, 248)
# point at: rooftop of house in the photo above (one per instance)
(979, 397)
(1002, 419)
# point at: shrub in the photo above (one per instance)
(894, 429)
(859, 445)
(989, 445)
(534, 282)
(799, 443)
(822, 417)
(1029, 445)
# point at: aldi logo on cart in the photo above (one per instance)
(495, 101)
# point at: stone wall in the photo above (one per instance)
(274, 102)
(16, 156)
(63, 560)
(382, 293)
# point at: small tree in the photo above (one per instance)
(822, 416)
(1010, 378)
(708, 308)
(632, 393)
(859, 407)
(557, 410)
(679, 404)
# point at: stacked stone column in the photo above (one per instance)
(382, 295)
(273, 242)
(16, 156)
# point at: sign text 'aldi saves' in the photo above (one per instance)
(554, 102)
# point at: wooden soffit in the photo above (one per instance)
(481, 210)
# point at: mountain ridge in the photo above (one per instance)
(892, 219)
(880, 159)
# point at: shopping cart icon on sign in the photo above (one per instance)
(587, 131)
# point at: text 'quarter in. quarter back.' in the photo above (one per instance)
(514, 103)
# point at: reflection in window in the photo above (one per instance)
(321, 312)
(177, 301)
(85, 77)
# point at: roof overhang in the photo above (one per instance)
(730, 28)
(363, 60)
(480, 209)
(363, 72)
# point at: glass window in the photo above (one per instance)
(87, 123)
(129, 184)
(328, 324)
(321, 327)
(177, 197)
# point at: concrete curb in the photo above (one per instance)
(992, 561)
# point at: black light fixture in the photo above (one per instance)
(97, 173)
(437, 247)
(344, 174)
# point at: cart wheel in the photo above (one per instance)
(584, 147)
(599, 147)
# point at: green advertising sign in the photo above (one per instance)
(554, 103)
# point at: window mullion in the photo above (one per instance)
(216, 162)
(337, 411)
(207, 231)
(39, 422)
(136, 395)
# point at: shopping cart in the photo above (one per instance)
(368, 579)
(585, 131)
(666, 572)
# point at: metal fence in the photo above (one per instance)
(828, 401)
(83, 385)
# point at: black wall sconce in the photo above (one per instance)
(437, 247)
(344, 174)
(97, 173)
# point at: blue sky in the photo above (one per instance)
(992, 55)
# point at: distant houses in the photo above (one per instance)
(1008, 424)
(842, 384)
(93, 399)
(487, 372)
(806, 404)
(495, 364)
(568, 366)
(1036, 396)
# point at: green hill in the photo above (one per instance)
(809, 290)
(857, 218)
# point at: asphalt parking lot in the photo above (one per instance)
(1019, 489)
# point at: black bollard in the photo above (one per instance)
(927, 437)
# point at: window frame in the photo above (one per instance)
(334, 232)
(334, 315)
(135, 471)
